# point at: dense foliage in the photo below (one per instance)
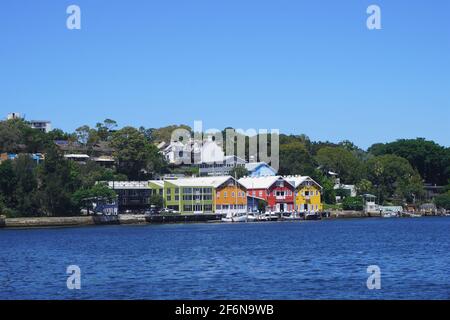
(394, 172)
(353, 203)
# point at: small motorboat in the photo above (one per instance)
(313, 216)
(271, 216)
(291, 216)
(389, 215)
(251, 217)
(235, 217)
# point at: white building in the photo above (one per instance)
(42, 125)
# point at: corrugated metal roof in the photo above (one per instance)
(259, 182)
(201, 181)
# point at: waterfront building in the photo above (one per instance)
(308, 194)
(259, 169)
(231, 196)
(370, 205)
(276, 191)
(254, 204)
(133, 196)
(220, 194)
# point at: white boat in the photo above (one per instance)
(234, 217)
(389, 215)
(415, 215)
(270, 216)
(312, 216)
(292, 216)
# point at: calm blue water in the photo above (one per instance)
(299, 260)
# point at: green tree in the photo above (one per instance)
(26, 203)
(328, 191)
(295, 159)
(353, 203)
(394, 178)
(104, 129)
(57, 182)
(443, 201)
(85, 198)
(239, 172)
(136, 157)
(7, 183)
(365, 186)
(262, 205)
(431, 160)
(157, 201)
(341, 161)
(11, 137)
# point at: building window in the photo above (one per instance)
(225, 194)
(187, 208)
(233, 195)
(198, 208)
(208, 208)
(207, 190)
(177, 198)
(169, 198)
(218, 195)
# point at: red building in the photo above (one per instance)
(275, 190)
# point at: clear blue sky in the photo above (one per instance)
(299, 66)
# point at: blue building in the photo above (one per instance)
(260, 169)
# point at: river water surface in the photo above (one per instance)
(285, 260)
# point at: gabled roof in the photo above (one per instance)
(213, 182)
(259, 182)
(296, 181)
(255, 165)
(159, 183)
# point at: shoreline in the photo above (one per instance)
(134, 219)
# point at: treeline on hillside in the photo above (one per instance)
(394, 172)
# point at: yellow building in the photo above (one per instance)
(308, 194)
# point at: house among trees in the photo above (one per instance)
(41, 125)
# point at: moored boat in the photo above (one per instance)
(292, 216)
(235, 217)
(389, 215)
